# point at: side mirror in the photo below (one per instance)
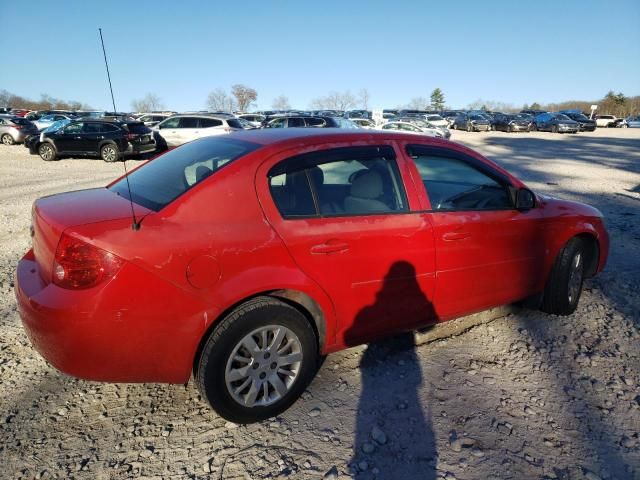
(525, 199)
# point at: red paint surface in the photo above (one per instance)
(224, 241)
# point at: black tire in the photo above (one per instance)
(109, 152)
(7, 139)
(469, 127)
(533, 127)
(47, 152)
(225, 339)
(554, 129)
(454, 126)
(559, 297)
(509, 129)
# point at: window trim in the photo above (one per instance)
(319, 157)
(482, 167)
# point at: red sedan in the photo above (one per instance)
(254, 254)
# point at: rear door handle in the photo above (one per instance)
(330, 246)
(78, 138)
(451, 236)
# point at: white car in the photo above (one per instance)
(605, 120)
(406, 127)
(364, 123)
(254, 119)
(180, 129)
(436, 120)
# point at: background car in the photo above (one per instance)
(179, 129)
(631, 122)
(256, 119)
(436, 120)
(424, 125)
(246, 300)
(412, 128)
(15, 129)
(471, 123)
(152, 119)
(606, 120)
(109, 140)
(512, 122)
(555, 123)
(46, 120)
(584, 122)
(311, 121)
(364, 123)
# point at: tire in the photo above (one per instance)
(509, 129)
(227, 372)
(564, 285)
(533, 128)
(47, 152)
(454, 126)
(625, 125)
(7, 139)
(109, 152)
(469, 127)
(554, 129)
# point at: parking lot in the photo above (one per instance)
(520, 396)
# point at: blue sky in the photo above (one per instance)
(509, 51)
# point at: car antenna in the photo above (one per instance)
(136, 224)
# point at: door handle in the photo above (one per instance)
(330, 246)
(78, 138)
(100, 137)
(451, 236)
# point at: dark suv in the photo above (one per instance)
(314, 122)
(109, 140)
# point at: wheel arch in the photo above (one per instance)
(299, 300)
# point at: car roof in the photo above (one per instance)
(279, 136)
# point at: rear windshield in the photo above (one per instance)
(164, 179)
(138, 127)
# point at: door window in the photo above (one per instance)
(340, 182)
(74, 128)
(315, 122)
(295, 122)
(279, 123)
(455, 184)
(209, 122)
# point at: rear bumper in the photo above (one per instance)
(114, 332)
(137, 149)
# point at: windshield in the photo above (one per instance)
(55, 126)
(344, 123)
(578, 116)
(560, 116)
(434, 118)
(164, 179)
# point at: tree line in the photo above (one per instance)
(243, 98)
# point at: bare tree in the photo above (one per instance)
(335, 101)
(419, 103)
(281, 103)
(151, 102)
(364, 99)
(219, 100)
(245, 96)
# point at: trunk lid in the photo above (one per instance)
(53, 214)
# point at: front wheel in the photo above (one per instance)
(564, 286)
(257, 361)
(109, 153)
(7, 139)
(469, 127)
(554, 129)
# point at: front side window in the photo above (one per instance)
(279, 123)
(162, 180)
(74, 128)
(350, 181)
(454, 184)
(170, 123)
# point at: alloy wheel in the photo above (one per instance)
(46, 152)
(575, 277)
(109, 154)
(263, 366)
(7, 139)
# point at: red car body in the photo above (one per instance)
(224, 241)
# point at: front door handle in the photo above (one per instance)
(330, 246)
(78, 138)
(459, 235)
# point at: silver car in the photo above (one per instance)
(15, 129)
(631, 122)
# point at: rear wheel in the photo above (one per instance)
(509, 129)
(454, 126)
(109, 153)
(469, 127)
(554, 129)
(7, 139)
(47, 152)
(564, 286)
(257, 361)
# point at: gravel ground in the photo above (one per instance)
(521, 396)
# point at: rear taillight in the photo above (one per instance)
(78, 265)
(130, 136)
(18, 127)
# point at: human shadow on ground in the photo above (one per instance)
(394, 435)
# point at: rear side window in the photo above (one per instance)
(171, 123)
(106, 128)
(21, 121)
(454, 184)
(315, 122)
(209, 122)
(339, 182)
(295, 122)
(162, 180)
(234, 123)
(188, 122)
